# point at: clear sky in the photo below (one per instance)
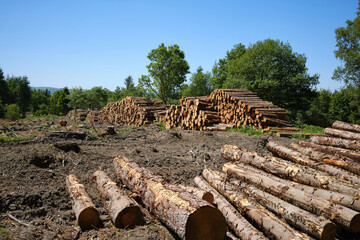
(85, 43)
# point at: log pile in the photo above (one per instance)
(137, 111)
(93, 116)
(242, 107)
(77, 115)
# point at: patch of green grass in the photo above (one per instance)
(3, 232)
(12, 139)
(247, 129)
(161, 125)
(311, 129)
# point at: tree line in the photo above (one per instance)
(270, 68)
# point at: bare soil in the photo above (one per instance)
(34, 203)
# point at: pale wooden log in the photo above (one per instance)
(272, 226)
(238, 224)
(123, 210)
(341, 134)
(340, 214)
(86, 214)
(346, 126)
(184, 213)
(336, 142)
(200, 193)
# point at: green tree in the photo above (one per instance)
(348, 51)
(200, 84)
(40, 99)
(167, 71)
(275, 73)
(340, 108)
(97, 97)
(219, 71)
(59, 102)
(4, 90)
(319, 111)
(129, 84)
(19, 92)
(12, 112)
(78, 98)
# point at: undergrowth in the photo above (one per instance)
(311, 129)
(13, 139)
(247, 129)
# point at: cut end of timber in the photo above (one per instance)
(209, 197)
(206, 223)
(129, 218)
(355, 224)
(329, 232)
(89, 218)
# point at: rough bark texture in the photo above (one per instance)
(331, 159)
(295, 156)
(200, 193)
(346, 126)
(341, 134)
(184, 213)
(342, 215)
(336, 142)
(238, 224)
(86, 214)
(123, 210)
(267, 221)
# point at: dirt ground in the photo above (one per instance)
(34, 203)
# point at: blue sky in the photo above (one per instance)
(85, 43)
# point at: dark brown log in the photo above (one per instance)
(342, 134)
(184, 213)
(86, 214)
(336, 142)
(299, 158)
(342, 215)
(238, 224)
(346, 126)
(332, 159)
(123, 211)
(267, 221)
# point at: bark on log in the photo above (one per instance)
(184, 213)
(297, 157)
(346, 126)
(341, 134)
(267, 221)
(331, 159)
(336, 142)
(199, 193)
(123, 210)
(288, 170)
(342, 215)
(86, 214)
(238, 224)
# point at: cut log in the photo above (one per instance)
(267, 221)
(341, 134)
(123, 210)
(340, 214)
(199, 193)
(238, 224)
(86, 214)
(346, 126)
(299, 158)
(336, 142)
(184, 213)
(335, 160)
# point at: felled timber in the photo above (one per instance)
(346, 126)
(341, 134)
(86, 214)
(340, 214)
(267, 221)
(336, 142)
(200, 193)
(188, 216)
(238, 224)
(77, 115)
(124, 212)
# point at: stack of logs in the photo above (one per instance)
(93, 116)
(242, 107)
(137, 111)
(77, 115)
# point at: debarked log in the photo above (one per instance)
(319, 206)
(238, 224)
(123, 210)
(341, 134)
(336, 142)
(346, 126)
(86, 214)
(188, 216)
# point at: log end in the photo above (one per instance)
(129, 218)
(206, 223)
(209, 197)
(89, 218)
(329, 231)
(355, 224)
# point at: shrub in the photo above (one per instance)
(12, 112)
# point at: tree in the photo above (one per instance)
(348, 51)
(275, 73)
(40, 101)
(4, 90)
(200, 84)
(319, 111)
(59, 102)
(19, 92)
(129, 84)
(12, 112)
(78, 98)
(97, 97)
(167, 71)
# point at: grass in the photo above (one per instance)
(13, 139)
(247, 129)
(161, 125)
(3, 232)
(311, 129)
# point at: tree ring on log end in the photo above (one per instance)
(206, 223)
(89, 218)
(129, 218)
(355, 223)
(329, 231)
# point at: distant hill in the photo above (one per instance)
(51, 89)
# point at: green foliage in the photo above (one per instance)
(40, 100)
(95, 98)
(3, 232)
(2, 109)
(305, 128)
(318, 113)
(167, 71)
(12, 112)
(12, 139)
(19, 92)
(200, 84)
(4, 90)
(59, 102)
(247, 129)
(348, 51)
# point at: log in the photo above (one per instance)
(237, 223)
(86, 214)
(299, 158)
(336, 142)
(346, 126)
(272, 226)
(335, 160)
(123, 211)
(340, 214)
(341, 134)
(199, 193)
(182, 212)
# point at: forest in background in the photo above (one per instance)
(270, 68)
